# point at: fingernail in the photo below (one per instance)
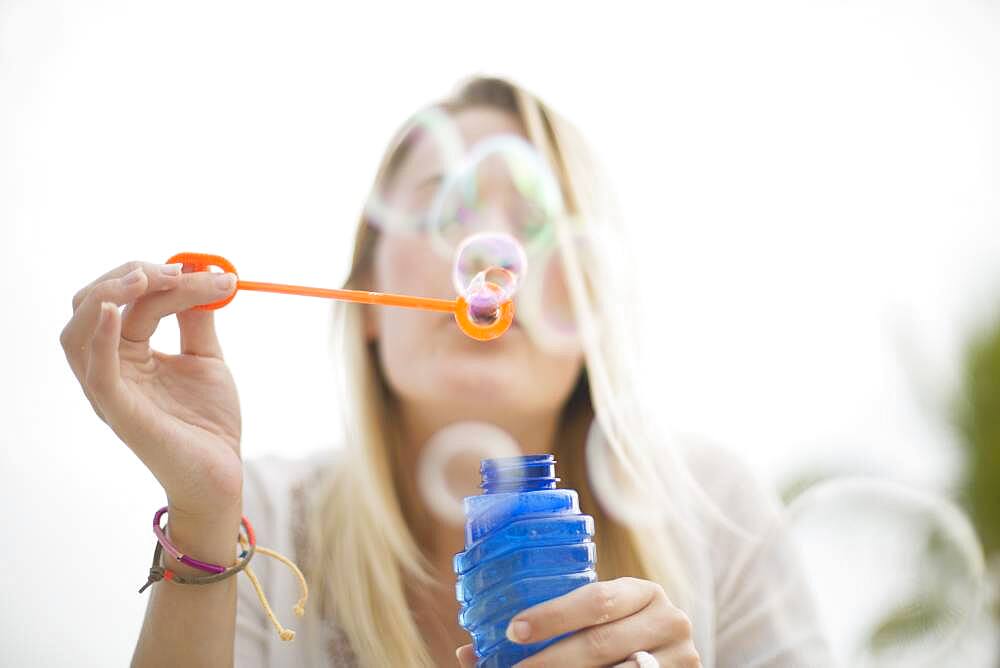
(171, 269)
(224, 282)
(106, 311)
(132, 277)
(519, 631)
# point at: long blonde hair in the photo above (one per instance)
(362, 552)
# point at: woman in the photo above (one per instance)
(711, 581)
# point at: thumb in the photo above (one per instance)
(198, 335)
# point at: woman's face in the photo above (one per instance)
(425, 356)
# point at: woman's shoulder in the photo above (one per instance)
(731, 483)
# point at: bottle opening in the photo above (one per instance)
(518, 474)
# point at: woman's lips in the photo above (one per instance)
(450, 319)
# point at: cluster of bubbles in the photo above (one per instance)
(494, 210)
(487, 271)
(502, 183)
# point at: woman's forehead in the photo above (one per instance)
(476, 123)
(433, 145)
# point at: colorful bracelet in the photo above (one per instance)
(249, 545)
(183, 558)
(158, 572)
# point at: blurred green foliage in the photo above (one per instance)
(920, 615)
(978, 419)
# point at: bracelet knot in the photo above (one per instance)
(155, 575)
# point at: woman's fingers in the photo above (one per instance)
(79, 331)
(197, 333)
(681, 655)
(466, 656)
(151, 291)
(651, 626)
(589, 605)
(160, 277)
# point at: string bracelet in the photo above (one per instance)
(248, 546)
(172, 550)
(158, 572)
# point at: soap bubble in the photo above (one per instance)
(484, 300)
(544, 306)
(491, 257)
(898, 573)
(435, 143)
(454, 453)
(503, 184)
(615, 491)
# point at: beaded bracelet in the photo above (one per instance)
(158, 572)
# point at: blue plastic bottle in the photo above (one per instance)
(525, 542)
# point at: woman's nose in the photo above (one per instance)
(496, 219)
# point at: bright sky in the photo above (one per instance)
(814, 185)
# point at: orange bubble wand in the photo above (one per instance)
(459, 306)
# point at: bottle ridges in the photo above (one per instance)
(522, 548)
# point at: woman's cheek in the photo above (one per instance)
(411, 266)
(396, 352)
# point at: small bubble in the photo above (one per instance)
(491, 258)
(484, 300)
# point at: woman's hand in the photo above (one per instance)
(179, 413)
(613, 620)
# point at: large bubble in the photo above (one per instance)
(433, 147)
(502, 184)
(616, 491)
(898, 573)
(448, 470)
(545, 307)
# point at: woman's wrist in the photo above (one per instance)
(212, 539)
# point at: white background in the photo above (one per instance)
(814, 185)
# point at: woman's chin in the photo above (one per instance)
(478, 377)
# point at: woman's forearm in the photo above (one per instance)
(193, 625)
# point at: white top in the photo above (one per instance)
(754, 606)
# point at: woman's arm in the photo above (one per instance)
(180, 415)
(192, 625)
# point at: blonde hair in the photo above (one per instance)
(362, 552)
